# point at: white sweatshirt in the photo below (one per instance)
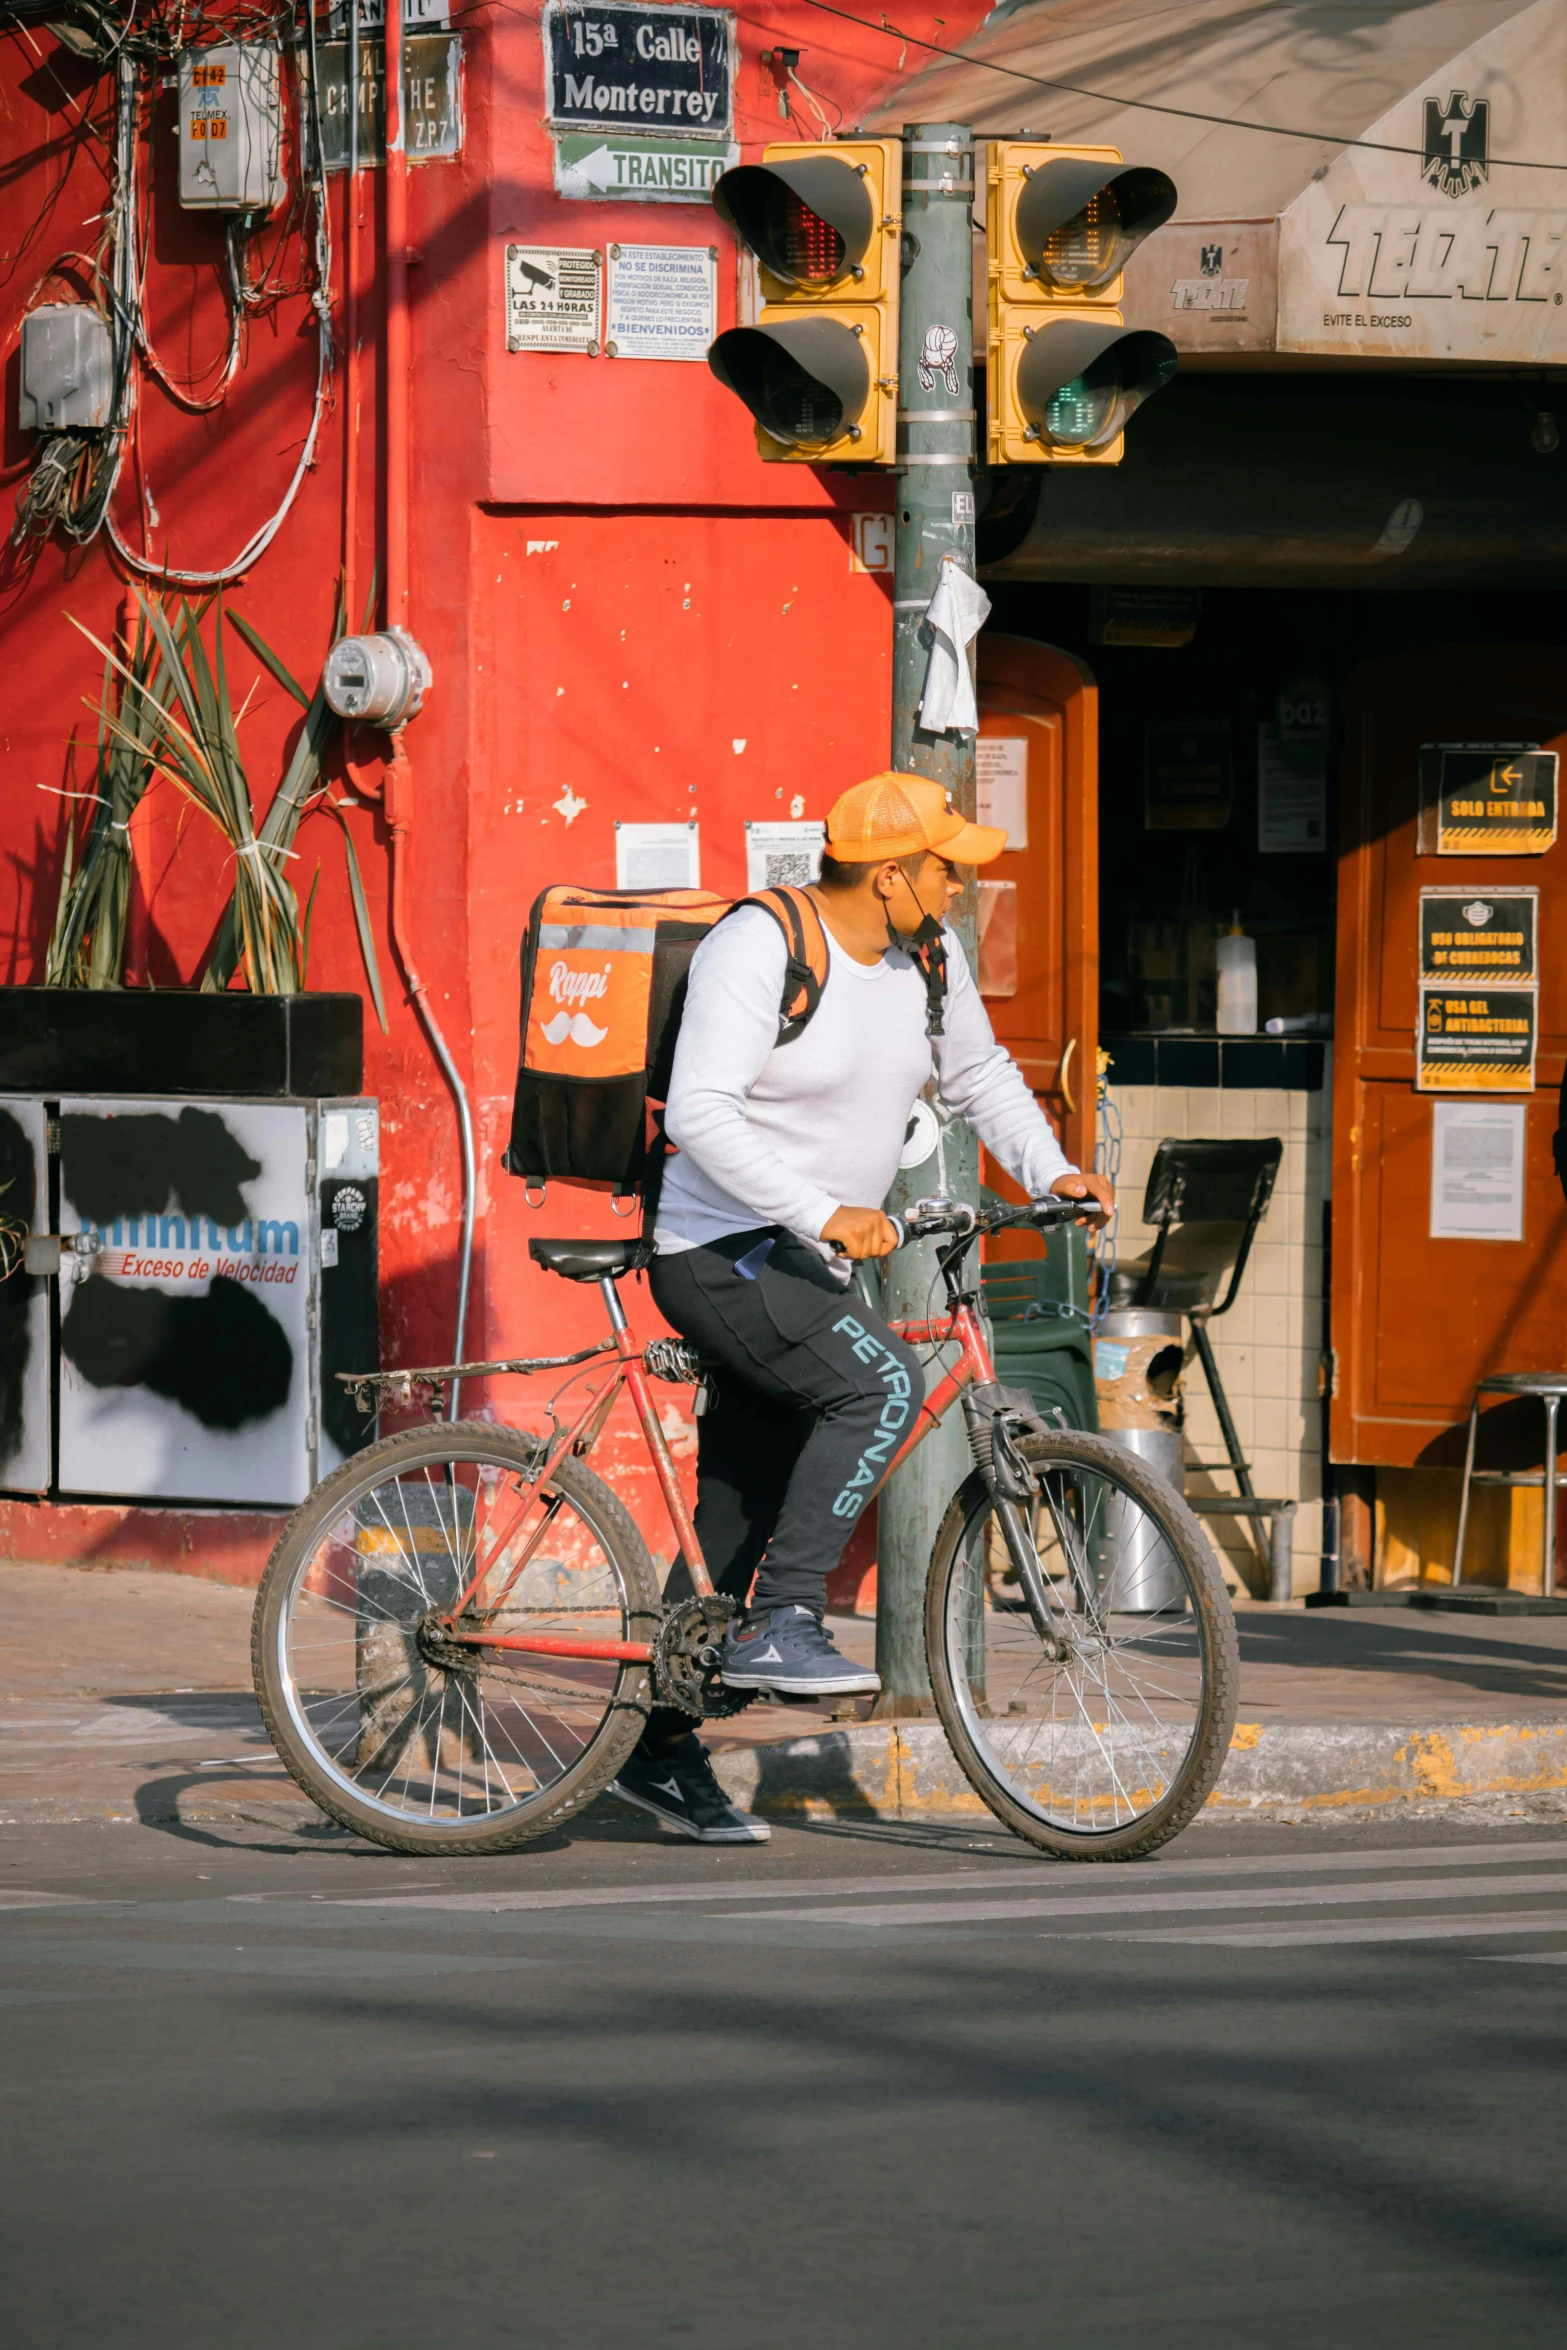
(787, 1134)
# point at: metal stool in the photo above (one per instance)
(1550, 1387)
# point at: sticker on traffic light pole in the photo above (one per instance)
(1486, 800)
(1486, 938)
(1477, 1043)
(819, 369)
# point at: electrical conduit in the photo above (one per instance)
(398, 800)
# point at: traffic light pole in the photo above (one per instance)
(935, 518)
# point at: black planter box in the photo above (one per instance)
(57, 1040)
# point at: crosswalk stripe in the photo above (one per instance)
(943, 1913)
(1003, 1877)
(1441, 1929)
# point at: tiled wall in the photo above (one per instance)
(1269, 1344)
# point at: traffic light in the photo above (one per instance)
(819, 369)
(1064, 373)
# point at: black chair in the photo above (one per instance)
(1206, 1200)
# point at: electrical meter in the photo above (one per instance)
(379, 680)
(67, 373)
(231, 127)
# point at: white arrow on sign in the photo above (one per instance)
(598, 170)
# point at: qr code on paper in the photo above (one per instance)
(790, 867)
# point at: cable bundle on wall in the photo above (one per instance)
(80, 461)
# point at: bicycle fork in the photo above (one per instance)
(1011, 1482)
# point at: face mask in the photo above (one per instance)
(927, 947)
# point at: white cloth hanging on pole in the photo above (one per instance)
(956, 613)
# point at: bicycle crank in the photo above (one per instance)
(685, 1660)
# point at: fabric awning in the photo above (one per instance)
(1447, 249)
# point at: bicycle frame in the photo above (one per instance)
(973, 1366)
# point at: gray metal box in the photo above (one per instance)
(67, 368)
(231, 127)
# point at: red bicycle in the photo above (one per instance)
(460, 1632)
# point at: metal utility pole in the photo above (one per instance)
(935, 517)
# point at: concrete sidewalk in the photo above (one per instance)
(126, 1695)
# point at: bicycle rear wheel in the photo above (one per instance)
(419, 1742)
(1109, 1750)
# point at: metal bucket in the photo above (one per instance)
(1134, 1565)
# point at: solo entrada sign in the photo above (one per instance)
(644, 69)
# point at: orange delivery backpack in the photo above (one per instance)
(603, 988)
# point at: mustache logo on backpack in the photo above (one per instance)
(568, 987)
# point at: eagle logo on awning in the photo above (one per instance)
(1456, 146)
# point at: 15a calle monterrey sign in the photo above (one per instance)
(1449, 250)
(657, 70)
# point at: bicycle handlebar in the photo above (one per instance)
(928, 1217)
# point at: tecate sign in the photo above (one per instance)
(642, 69)
(1449, 248)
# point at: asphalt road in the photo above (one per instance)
(865, 2085)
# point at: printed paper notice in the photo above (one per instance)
(1292, 795)
(663, 302)
(777, 854)
(658, 856)
(552, 299)
(1477, 1170)
(1001, 767)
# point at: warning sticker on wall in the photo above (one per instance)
(1477, 1043)
(552, 298)
(1486, 800)
(1486, 937)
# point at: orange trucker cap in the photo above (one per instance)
(898, 815)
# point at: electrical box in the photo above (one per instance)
(231, 127)
(67, 370)
(216, 1265)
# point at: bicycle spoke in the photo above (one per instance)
(391, 1711)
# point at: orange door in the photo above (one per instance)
(1039, 713)
(1417, 1320)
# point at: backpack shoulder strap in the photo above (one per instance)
(807, 955)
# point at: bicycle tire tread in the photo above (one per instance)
(582, 1785)
(1200, 1772)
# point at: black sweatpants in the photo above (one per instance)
(812, 1397)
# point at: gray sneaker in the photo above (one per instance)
(678, 1788)
(790, 1653)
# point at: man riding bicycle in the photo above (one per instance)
(757, 1217)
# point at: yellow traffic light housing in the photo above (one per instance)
(819, 369)
(1063, 371)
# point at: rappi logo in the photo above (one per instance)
(568, 988)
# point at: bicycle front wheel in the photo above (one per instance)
(1109, 1748)
(421, 1742)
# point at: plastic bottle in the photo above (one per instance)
(1236, 955)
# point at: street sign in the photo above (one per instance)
(1477, 1042)
(624, 168)
(662, 302)
(552, 299)
(1484, 938)
(1486, 800)
(621, 68)
(432, 92)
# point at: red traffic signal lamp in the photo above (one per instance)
(819, 368)
(1064, 372)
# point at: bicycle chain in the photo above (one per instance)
(685, 1660)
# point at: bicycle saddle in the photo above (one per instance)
(588, 1260)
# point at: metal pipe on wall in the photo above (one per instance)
(398, 799)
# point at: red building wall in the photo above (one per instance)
(628, 615)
